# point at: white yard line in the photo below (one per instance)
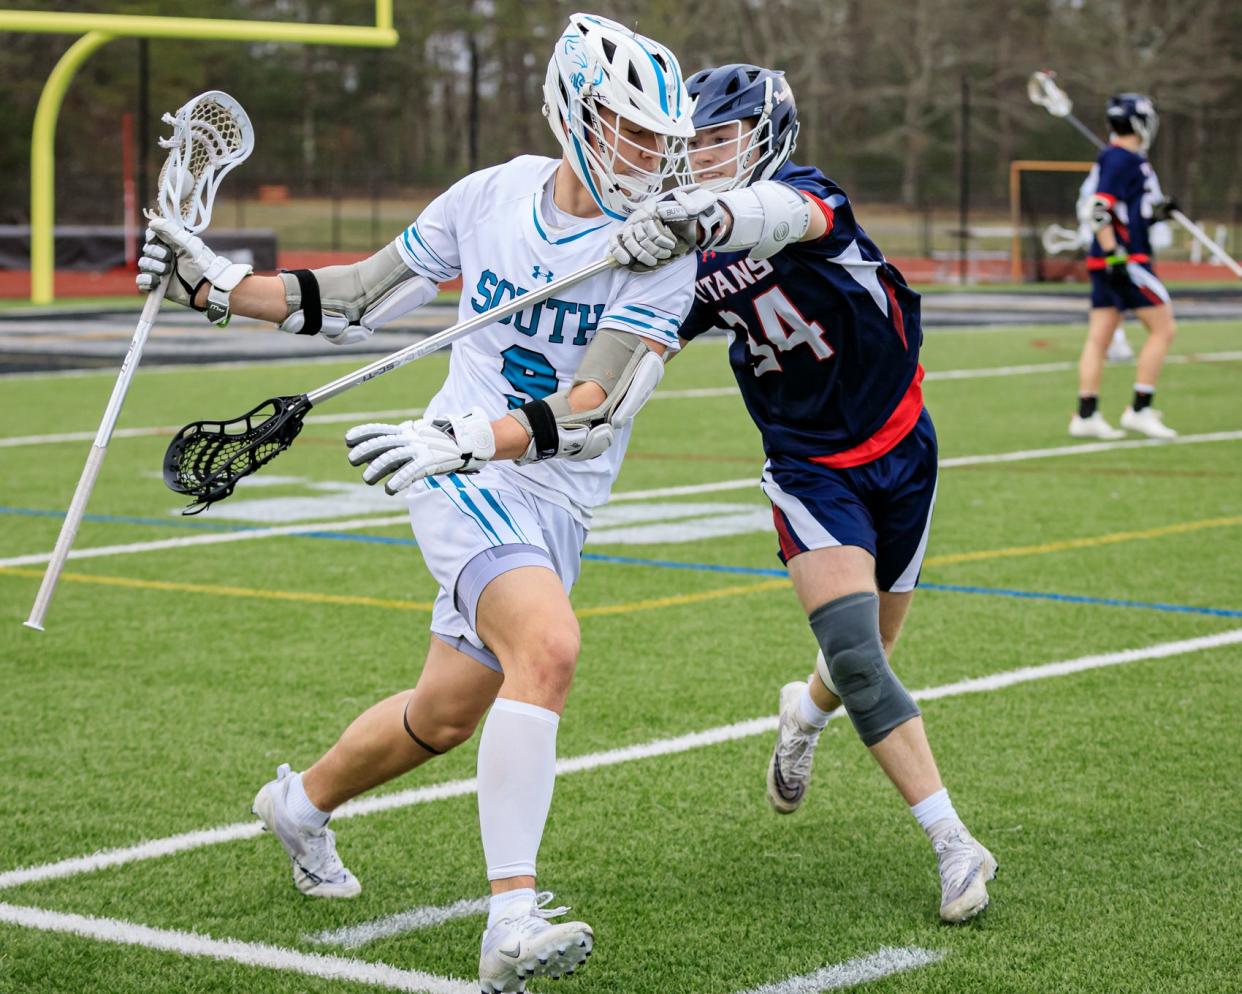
(688, 394)
(612, 757)
(1089, 447)
(884, 962)
(232, 950)
(173, 367)
(344, 417)
(979, 460)
(745, 483)
(214, 538)
(354, 936)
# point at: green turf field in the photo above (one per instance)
(174, 677)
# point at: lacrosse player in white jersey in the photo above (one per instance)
(525, 437)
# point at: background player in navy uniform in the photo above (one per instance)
(1126, 199)
(824, 342)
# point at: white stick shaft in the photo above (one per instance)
(94, 461)
(437, 341)
(1208, 243)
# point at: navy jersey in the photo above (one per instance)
(1128, 182)
(824, 336)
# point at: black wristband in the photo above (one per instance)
(543, 428)
(312, 308)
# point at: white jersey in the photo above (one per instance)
(492, 228)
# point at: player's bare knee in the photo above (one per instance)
(546, 658)
(855, 666)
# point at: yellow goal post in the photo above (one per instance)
(97, 30)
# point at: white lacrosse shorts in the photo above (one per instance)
(471, 528)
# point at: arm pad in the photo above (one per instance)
(1101, 215)
(626, 369)
(346, 303)
(767, 216)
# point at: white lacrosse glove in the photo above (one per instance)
(694, 215)
(169, 248)
(760, 219)
(645, 243)
(414, 450)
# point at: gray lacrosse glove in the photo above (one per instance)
(645, 243)
(169, 248)
(414, 450)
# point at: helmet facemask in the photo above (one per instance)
(626, 171)
(749, 145)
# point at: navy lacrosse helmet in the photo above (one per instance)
(739, 92)
(1133, 114)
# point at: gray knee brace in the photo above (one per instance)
(848, 632)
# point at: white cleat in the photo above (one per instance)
(789, 770)
(1148, 421)
(965, 869)
(1095, 427)
(1119, 349)
(317, 869)
(526, 945)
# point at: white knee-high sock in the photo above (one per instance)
(517, 770)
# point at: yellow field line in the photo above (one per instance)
(676, 600)
(1080, 543)
(308, 597)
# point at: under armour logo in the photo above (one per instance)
(542, 274)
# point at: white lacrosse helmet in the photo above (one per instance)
(599, 63)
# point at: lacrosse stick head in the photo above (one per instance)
(1043, 90)
(1057, 239)
(206, 459)
(211, 134)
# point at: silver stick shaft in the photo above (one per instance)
(1216, 250)
(1086, 132)
(428, 345)
(94, 461)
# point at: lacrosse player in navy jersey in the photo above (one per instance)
(1120, 200)
(523, 440)
(824, 340)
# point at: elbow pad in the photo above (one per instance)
(767, 216)
(1100, 212)
(346, 303)
(626, 369)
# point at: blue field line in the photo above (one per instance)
(952, 588)
(1038, 595)
(597, 557)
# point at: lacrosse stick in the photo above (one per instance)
(1043, 90)
(206, 459)
(210, 135)
(1057, 239)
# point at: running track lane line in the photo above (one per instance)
(693, 393)
(156, 848)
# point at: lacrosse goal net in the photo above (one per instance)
(1047, 245)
